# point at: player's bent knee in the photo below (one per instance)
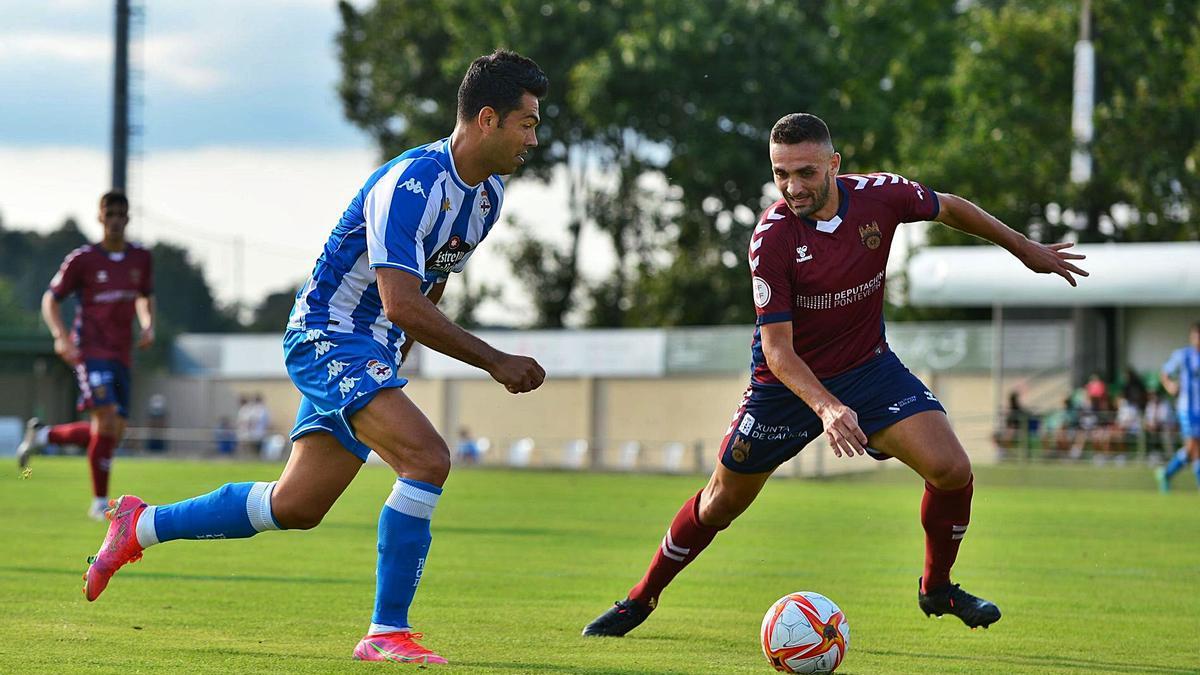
(296, 514)
(431, 465)
(952, 473)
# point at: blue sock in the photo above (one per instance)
(1177, 462)
(404, 539)
(232, 511)
(1196, 469)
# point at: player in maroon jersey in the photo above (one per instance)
(821, 362)
(112, 281)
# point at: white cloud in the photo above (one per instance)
(178, 60)
(73, 48)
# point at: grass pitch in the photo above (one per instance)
(1094, 570)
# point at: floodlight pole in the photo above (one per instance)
(120, 126)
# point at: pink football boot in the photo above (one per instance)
(401, 647)
(120, 545)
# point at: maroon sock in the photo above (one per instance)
(75, 433)
(685, 539)
(100, 452)
(945, 515)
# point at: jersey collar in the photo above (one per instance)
(453, 169)
(829, 226)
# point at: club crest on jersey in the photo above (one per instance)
(871, 236)
(485, 205)
(379, 371)
(741, 449)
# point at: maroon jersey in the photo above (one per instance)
(826, 277)
(107, 284)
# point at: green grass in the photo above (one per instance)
(1095, 572)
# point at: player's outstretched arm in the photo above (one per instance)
(52, 315)
(965, 216)
(840, 422)
(407, 307)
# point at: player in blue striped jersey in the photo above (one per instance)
(373, 292)
(1180, 376)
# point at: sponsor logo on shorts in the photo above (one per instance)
(747, 424)
(895, 407)
(379, 371)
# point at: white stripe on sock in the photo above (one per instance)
(258, 507)
(378, 628)
(147, 536)
(671, 545)
(412, 500)
(667, 552)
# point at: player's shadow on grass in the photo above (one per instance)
(1091, 665)
(193, 577)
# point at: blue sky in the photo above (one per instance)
(220, 72)
(243, 144)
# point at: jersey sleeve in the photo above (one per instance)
(912, 201)
(1174, 364)
(69, 276)
(771, 264)
(396, 211)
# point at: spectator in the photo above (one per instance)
(225, 437)
(1158, 421)
(1097, 393)
(1128, 425)
(252, 424)
(1134, 390)
(468, 448)
(1061, 435)
(156, 422)
(1018, 423)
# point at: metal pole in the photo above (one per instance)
(998, 365)
(120, 127)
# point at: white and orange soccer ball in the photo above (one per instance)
(805, 632)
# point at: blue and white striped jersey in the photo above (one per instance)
(414, 214)
(1184, 366)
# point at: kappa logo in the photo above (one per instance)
(347, 384)
(802, 254)
(379, 371)
(313, 334)
(322, 347)
(335, 368)
(412, 185)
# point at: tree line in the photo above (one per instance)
(673, 101)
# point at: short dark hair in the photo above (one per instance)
(800, 128)
(114, 198)
(499, 80)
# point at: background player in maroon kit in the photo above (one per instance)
(821, 362)
(112, 281)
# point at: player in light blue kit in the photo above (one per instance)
(372, 292)
(1180, 376)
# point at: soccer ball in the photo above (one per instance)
(805, 632)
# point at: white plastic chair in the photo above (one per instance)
(673, 457)
(628, 458)
(520, 452)
(574, 454)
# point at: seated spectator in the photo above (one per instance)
(468, 449)
(1097, 392)
(1018, 423)
(1060, 434)
(1134, 389)
(1128, 426)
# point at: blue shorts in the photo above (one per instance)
(103, 382)
(1189, 425)
(772, 425)
(337, 374)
